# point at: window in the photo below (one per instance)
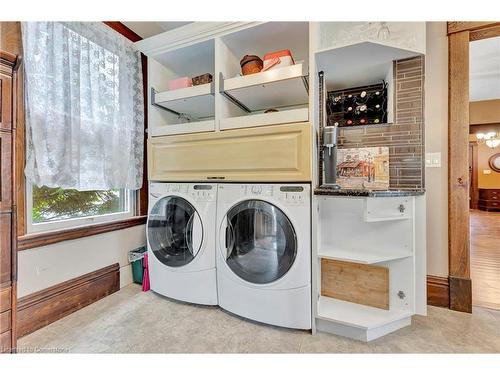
(55, 208)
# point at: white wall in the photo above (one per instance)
(436, 140)
(45, 266)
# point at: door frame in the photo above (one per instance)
(460, 34)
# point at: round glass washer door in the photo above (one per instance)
(260, 243)
(175, 231)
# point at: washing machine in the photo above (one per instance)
(181, 241)
(264, 252)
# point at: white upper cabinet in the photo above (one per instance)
(405, 35)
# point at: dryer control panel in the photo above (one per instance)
(293, 194)
(198, 192)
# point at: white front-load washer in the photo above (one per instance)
(181, 241)
(264, 252)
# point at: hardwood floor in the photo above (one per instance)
(485, 258)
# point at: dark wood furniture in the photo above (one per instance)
(8, 265)
(489, 199)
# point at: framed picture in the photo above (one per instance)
(494, 162)
(363, 168)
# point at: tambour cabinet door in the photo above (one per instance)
(269, 153)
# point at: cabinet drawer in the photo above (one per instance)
(388, 208)
(489, 194)
(5, 247)
(267, 154)
(5, 299)
(5, 321)
(5, 343)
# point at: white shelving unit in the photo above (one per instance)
(345, 234)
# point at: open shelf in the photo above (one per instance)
(359, 64)
(188, 127)
(355, 315)
(364, 257)
(197, 101)
(275, 88)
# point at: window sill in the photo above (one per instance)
(30, 241)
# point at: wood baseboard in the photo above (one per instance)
(438, 291)
(39, 309)
(461, 294)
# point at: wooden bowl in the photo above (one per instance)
(251, 64)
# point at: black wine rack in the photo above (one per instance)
(350, 107)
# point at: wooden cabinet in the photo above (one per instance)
(265, 154)
(8, 79)
(489, 199)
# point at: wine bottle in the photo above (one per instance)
(349, 113)
(361, 110)
(336, 103)
(377, 108)
(363, 121)
(376, 120)
(349, 122)
(349, 101)
(362, 98)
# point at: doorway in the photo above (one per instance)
(474, 258)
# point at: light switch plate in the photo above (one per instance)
(433, 160)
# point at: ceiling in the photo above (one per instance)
(484, 83)
(147, 29)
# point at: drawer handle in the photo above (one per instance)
(402, 208)
(216, 178)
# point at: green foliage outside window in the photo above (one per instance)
(51, 204)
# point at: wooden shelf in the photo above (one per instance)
(355, 315)
(263, 119)
(197, 101)
(363, 257)
(188, 127)
(276, 88)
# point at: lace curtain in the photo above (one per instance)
(84, 107)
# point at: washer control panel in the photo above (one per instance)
(203, 193)
(288, 194)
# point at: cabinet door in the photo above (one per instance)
(5, 102)
(267, 154)
(5, 248)
(5, 171)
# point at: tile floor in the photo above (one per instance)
(131, 321)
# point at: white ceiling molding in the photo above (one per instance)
(187, 35)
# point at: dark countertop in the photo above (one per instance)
(325, 190)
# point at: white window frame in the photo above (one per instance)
(78, 222)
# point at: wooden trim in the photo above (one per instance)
(41, 308)
(459, 26)
(458, 171)
(490, 32)
(124, 30)
(46, 238)
(438, 291)
(461, 294)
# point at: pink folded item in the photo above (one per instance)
(180, 83)
(145, 276)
